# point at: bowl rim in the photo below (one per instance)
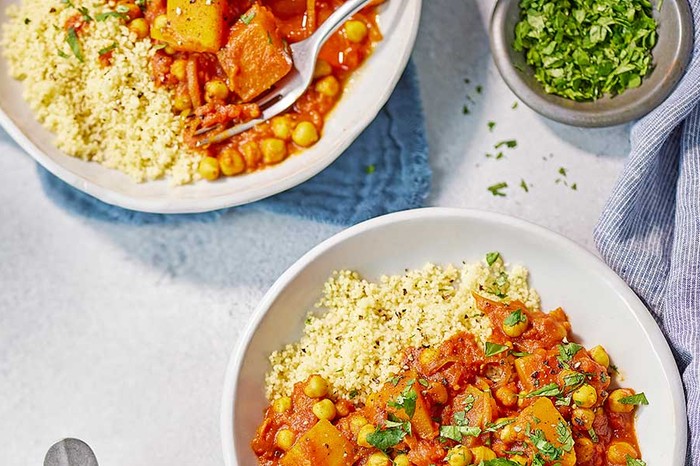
(265, 188)
(590, 118)
(634, 303)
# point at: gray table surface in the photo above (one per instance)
(120, 335)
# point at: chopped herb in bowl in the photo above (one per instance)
(584, 49)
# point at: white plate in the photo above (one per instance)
(602, 310)
(364, 97)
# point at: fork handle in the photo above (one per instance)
(335, 20)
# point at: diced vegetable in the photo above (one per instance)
(193, 26)
(323, 445)
(255, 56)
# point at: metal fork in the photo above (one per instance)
(283, 94)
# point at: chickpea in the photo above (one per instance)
(584, 449)
(328, 86)
(305, 134)
(518, 328)
(356, 31)
(482, 454)
(402, 460)
(324, 409)
(438, 393)
(316, 387)
(179, 69)
(619, 451)
(322, 69)
(251, 154)
(506, 396)
(273, 150)
(614, 401)
(378, 459)
(459, 456)
(428, 356)
(282, 405)
(284, 439)
(215, 89)
(282, 127)
(366, 430)
(519, 459)
(600, 356)
(231, 162)
(357, 423)
(508, 433)
(582, 418)
(182, 102)
(169, 50)
(139, 26)
(585, 396)
(342, 407)
(160, 23)
(209, 168)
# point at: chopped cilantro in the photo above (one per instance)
(551, 389)
(549, 451)
(492, 349)
(491, 125)
(567, 351)
(424, 382)
(492, 257)
(370, 169)
(456, 432)
(384, 439)
(406, 401)
(248, 18)
(594, 436)
(514, 318)
(583, 50)
(494, 426)
(523, 185)
(574, 380)
(511, 144)
(499, 462)
(634, 462)
(107, 49)
(638, 399)
(465, 110)
(519, 354)
(514, 106)
(562, 171)
(72, 39)
(564, 436)
(479, 89)
(497, 189)
(110, 14)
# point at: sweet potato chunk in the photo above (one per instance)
(255, 56)
(196, 26)
(323, 445)
(541, 422)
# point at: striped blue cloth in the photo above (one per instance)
(345, 193)
(649, 232)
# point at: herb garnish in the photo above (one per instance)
(573, 381)
(523, 185)
(370, 169)
(634, 462)
(499, 462)
(406, 401)
(496, 189)
(107, 49)
(567, 351)
(248, 18)
(564, 436)
(551, 389)
(549, 451)
(494, 426)
(461, 426)
(638, 399)
(492, 349)
(514, 318)
(582, 50)
(492, 257)
(390, 436)
(110, 14)
(72, 39)
(492, 125)
(511, 144)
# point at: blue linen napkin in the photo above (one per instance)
(385, 170)
(649, 231)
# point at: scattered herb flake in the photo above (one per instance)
(370, 169)
(110, 14)
(465, 110)
(383, 439)
(107, 49)
(74, 44)
(564, 436)
(523, 185)
(492, 257)
(514, 106)
(567, 351)
(479, 89)
(492, 349)
(497, 189)
(511, 144)
(514, 318)
(562, 171)
(491, 125)
(406, 401)
(634, 462)
(550, 389)
(248, 18)
(495, 426)
(638, 399)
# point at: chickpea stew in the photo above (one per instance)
(527, 396)
(129, 82)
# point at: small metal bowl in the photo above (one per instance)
(671, 56)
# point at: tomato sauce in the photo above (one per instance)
(527, 396)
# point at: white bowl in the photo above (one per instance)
(366, 94)
(602, 310)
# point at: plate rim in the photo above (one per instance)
(174, 205)
(626, 294)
